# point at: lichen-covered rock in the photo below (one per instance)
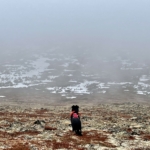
(104, 127)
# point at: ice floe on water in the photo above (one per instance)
(72, 97)
(65, 65)
(141, 92)
(144, 78)
(66, 70)
(52, 77)
(102, 92)
(73, 81)
(17, 76)
(1, 96)
(103, 86)
(143, 85)
(19, 85)
(118, 83)
(69, 75)
(81, 88)
(128, 65)
(39, 66)
(87, 75)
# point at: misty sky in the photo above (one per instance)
(94, 24)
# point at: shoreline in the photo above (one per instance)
(33, 102)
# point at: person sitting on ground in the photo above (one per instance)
(75, 119)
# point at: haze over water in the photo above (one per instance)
(75, 48)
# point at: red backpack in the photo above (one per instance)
(75, 115)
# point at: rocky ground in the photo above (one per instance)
(118, 126)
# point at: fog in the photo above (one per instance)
(75, 47)
(98, 25)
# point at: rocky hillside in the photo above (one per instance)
(117, 126)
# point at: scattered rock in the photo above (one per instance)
(104, 127)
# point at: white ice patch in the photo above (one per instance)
(65, 65)
(102, 92)
(70, 75)
(86, 75)
(62, 91)
(78, 89)
(136, 86)
(66, 70)
(19, 85)
(81, 88)
(73, 81)
(73, 97)
(51, 88)
(40, 65)
(78, 64)
(116, 83)
(46, 81)
(141, 93)
(18, 76)
(103, 86)
(143, 85)
(144, 78)
(19, 73)
(53, 77)
(2, 96)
